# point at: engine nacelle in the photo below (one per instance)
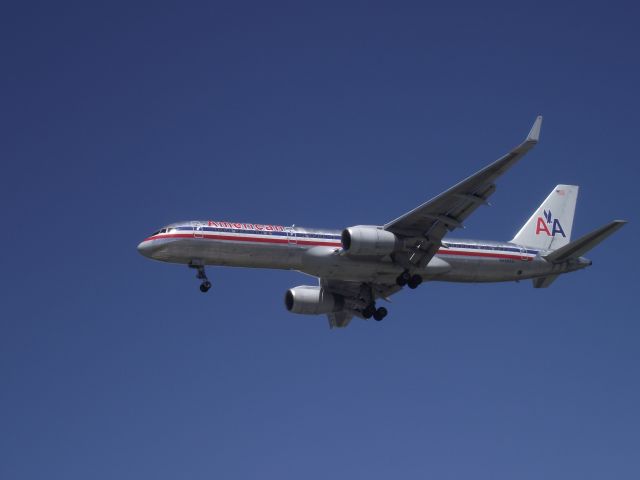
(312, 300)
(364, 240)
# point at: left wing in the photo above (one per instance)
(357, 295)
(425, 226)
(431, 221)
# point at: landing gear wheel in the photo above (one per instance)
(201, 275)
(369, 311)
(403, 278)
(414, 281)
(380, 314)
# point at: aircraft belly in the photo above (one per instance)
(235, 254)
(330, 262)
(473, 269)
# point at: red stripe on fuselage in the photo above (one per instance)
(316, 243)
(281, 241)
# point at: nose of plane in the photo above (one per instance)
(144, 248)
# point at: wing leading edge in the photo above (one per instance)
(432, 220)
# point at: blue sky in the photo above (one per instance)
(119, 118)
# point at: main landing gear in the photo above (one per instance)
(377, 313)
(201, 275)
(412, 281)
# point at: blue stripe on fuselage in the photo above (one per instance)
(285, 233)
(498, 248)
(259, 232)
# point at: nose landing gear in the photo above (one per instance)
(201, 275)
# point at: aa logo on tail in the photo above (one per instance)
(541, 226)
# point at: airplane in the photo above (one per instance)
(359, 265)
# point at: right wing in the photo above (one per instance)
(431, 221)
(357, 295)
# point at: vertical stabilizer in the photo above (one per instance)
(550, 225)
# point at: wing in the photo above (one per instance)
(357, 295)
(432, 220)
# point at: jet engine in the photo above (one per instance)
(310, 300)
(364, 240)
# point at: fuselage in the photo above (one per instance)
(318, 252)
(363, 263)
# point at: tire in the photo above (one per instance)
(380, 314)
(369, 312)
(414, 281)
(403, 278)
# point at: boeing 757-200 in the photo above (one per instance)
(361, 264)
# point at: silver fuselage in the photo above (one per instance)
(318, 252)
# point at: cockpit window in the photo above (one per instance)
(162, 230)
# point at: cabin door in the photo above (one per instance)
(291, 236)
(198, 230)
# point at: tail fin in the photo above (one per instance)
(550, 225)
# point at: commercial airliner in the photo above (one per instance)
(362, 264)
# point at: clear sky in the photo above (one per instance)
(118, 118)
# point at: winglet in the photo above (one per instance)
(534, 133)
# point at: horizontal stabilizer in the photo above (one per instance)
(544, 282)
(579, 247)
